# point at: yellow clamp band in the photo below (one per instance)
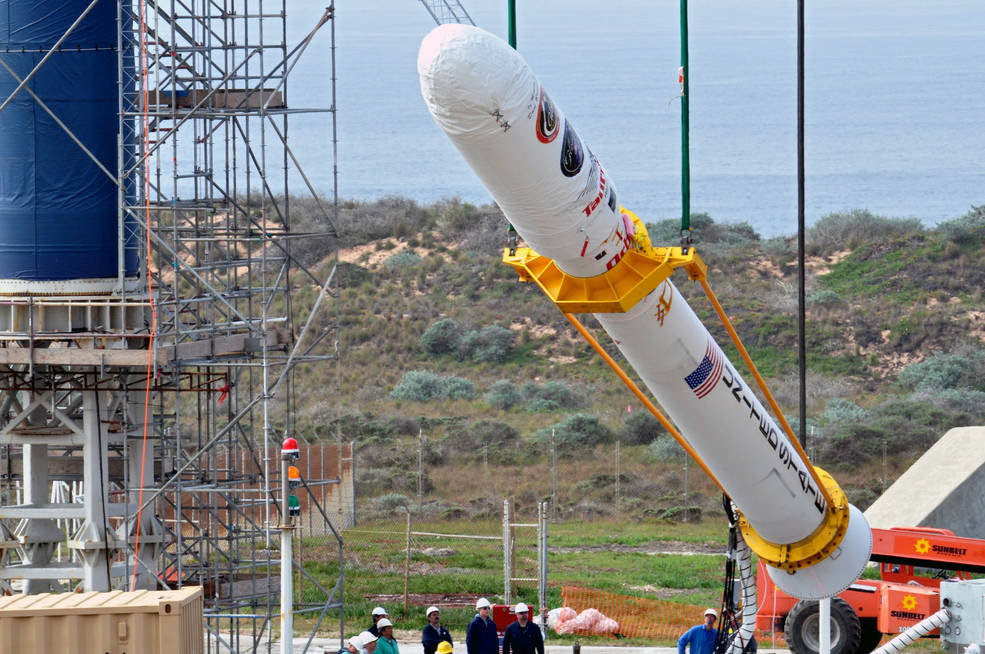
(637, 273)
(816, 547)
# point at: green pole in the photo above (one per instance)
(511, 17)
(685, 149)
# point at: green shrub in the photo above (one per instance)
(825, 299)
(578, 430)
(492, 343)
(641, 428)
(840, 412)
(401, 260)
(962, 369)
(424, 386)
(965, 401)
(969, 229)
(706, 230)
(665, 448)
(542, 405)
(456, 388)
(503, 395)
(441, 337)
(557, 392)
(392, 501)
(499, 439)
(849, 230)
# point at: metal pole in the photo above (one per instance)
(420, 469)
(407, 566)
(618, 474)
(824, 626)
(511, 18)
(685, 489)
(553, 475)
(685, 128)
(507, 546)
(286, 560)
(542, 565)
(801, 201)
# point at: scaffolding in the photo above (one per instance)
(140, 423)
(447, 11)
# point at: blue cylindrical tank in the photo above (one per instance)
(58, 211)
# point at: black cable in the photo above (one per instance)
(102, 483)
(801, 320)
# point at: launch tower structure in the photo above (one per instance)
(152, 315)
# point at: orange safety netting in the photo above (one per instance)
(641, 617)
(638, 617)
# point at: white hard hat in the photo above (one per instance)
(379, 610)
(521, 608)
(383, 622)
(482, 603)
(711, 612)
(356, 642)
(431, 609)
(367, 637)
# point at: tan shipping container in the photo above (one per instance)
(116, 622)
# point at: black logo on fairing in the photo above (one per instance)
(547, 119)
(572, 152)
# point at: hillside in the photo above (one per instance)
(440, 339)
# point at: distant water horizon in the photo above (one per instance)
(895, 97)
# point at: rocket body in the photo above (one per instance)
(560, 199)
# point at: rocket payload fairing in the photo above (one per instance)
(561, 200)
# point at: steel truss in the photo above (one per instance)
(168, 397)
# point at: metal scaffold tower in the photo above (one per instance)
(141, 416)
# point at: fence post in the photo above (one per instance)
(553, 475)
(542, 565)
(618, 475)
(507, 551)
(420, 469)
(407, 565)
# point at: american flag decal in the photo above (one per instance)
(709, 371)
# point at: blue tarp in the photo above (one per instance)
(58, 211)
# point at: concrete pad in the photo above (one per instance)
(944, 488)
(331, 645)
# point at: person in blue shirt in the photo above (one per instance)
(482, 637)
(701, 637)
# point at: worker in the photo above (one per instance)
(387, 644)
(364, 643)
(433, 632)
(701, 637)
(523, 636)
(378, 613)
(482, 637)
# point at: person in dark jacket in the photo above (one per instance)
(433, 632)
(481, 637)
(523, 636)
(378, 614)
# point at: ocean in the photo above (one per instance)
(895, 97)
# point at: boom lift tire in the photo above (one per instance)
(801, 627)
(870, 635)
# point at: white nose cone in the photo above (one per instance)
(835, 573)
(516, 139)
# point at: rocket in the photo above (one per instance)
(562, 201)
